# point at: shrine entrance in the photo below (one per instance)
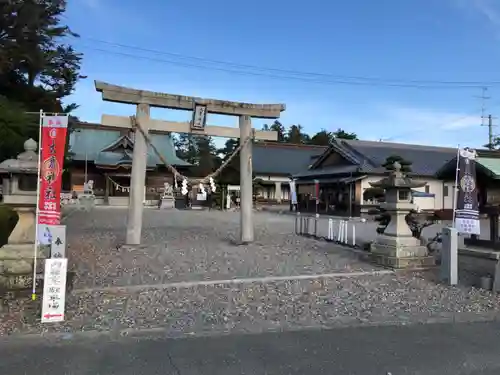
(143, 126)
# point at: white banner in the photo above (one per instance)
(293, 192)
(55, 121)
(54, 290)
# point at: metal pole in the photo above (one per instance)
(86, 160)
(350, 198)
(455, 187)
(37, 210)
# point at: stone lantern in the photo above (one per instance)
(396, 247)
(20, 194)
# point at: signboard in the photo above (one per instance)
(58, 241)
(199, 117)
(54, 290)
(467, 208)
(44, 234)
(53, 144)
(316, 190)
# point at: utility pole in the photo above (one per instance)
(490, 125)
(483, 98)
(490, 131)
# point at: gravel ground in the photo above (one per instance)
(119, 288)
(257, 307)
(193, 246)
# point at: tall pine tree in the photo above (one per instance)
(38, 68)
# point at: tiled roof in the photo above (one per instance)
(330, 170)
(89, 143)
(488, 162)
(282, 158)
(426, 160)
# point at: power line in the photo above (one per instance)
(266, 72)
(296, 72)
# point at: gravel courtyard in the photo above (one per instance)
(178, 280)
(194, 246)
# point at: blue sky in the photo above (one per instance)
(427, 40)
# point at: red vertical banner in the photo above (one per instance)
(53, 145)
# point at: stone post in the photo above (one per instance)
(246, 201)
(277, 191)
(449, 256)
(137, 179)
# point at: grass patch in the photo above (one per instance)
(8, 221)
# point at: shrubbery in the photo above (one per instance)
(8, 220)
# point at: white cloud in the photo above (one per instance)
(488, 10)
(406, 124)
(94, 4)
(423, 118)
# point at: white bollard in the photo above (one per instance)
(346, 223)
(339, 234)
(330, 229)
(353, 234)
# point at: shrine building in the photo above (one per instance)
(104, 156)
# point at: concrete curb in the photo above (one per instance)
(163, 332)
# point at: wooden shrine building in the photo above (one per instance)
(104, 156)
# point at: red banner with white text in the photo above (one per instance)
(53, 145)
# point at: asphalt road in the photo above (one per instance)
(453, 349)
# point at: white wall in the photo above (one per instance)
(437, 187)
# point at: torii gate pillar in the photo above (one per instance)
(146, 99)
(246, 183)
(138, 178)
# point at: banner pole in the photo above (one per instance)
(37, 212)
(455, 187)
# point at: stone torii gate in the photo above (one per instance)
(144, 100)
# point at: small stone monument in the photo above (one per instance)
(167, 198)
(396, 247)
(87, 199)
(20, 194)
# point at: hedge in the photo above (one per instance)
(8, 220)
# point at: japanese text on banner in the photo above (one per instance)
(54, 129)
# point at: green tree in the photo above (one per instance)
(207, 155)
(279, 128)
(231, 173)
(389, 163)
(37, 67)
(495, 144)
(340, 133)
(296, 135)
(321, 138)
(16, 126)
(186, 147)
